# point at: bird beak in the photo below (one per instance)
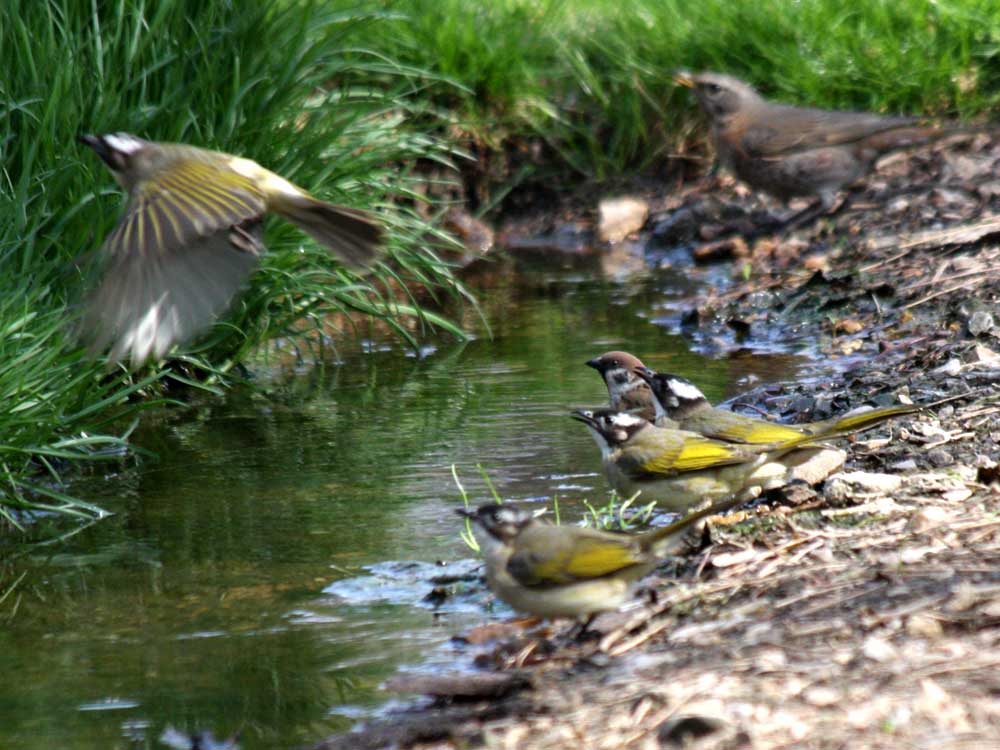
(582, 416)
(99, 146)
(683, 78)
(465, 512)
(595, 363)
(645, 373)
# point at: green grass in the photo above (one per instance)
(272, 80)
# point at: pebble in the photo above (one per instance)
(923, 625)
(878, 649)
(980, 322)
(952, 367)
(940, 457)
(845, 485)
(620, 217)
(927, 519)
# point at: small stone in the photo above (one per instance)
(985, 354)
(907, 464)
(952, 367)
(982, 461)
(620, 217)
(771, 660)
(927, 519)
(816, 467)
(923, 625)
(474, 233)
(794, 494)
(821, 696)
(878, 649)
(848, 326)
(980, 322)
(866, 481)
(720, 249)
(940, 457)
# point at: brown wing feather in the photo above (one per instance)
(800, 128)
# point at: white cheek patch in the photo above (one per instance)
(123, 142)
(685, 390)
(624, 419)
(507, 516)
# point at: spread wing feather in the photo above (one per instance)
(188, 200)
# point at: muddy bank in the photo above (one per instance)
(863, 612)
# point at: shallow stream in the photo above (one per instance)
(231, 588)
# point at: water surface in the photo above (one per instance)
(205, 601)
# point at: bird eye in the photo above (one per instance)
(713, 88)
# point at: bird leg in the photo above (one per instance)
(581, 628)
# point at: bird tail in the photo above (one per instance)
(831, 429)
(355, 236)
(658, 538)
(841, 426)
(911, 136)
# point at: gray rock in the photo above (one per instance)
(980, 322)
(940, 457)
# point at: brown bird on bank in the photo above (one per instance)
(792, 151)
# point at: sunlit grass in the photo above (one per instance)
(274, 81)
(590, 79)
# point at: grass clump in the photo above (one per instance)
(583, 87)
(273, 81)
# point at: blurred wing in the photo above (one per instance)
(188, 241)
(187, 199)
(803, 129)
(559, 558)
(147, 304)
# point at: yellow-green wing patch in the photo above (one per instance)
(694, 454)
(560, 559)
(187, 200)
(756, 432)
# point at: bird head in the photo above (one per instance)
(610, 428)
(495, 525)
(617, 369)
(118, 151)
(675, 395)
(721, 96)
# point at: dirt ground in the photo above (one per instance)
(860, 613)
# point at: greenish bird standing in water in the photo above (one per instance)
(569, 571)
(679, 468)
(191, 236)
